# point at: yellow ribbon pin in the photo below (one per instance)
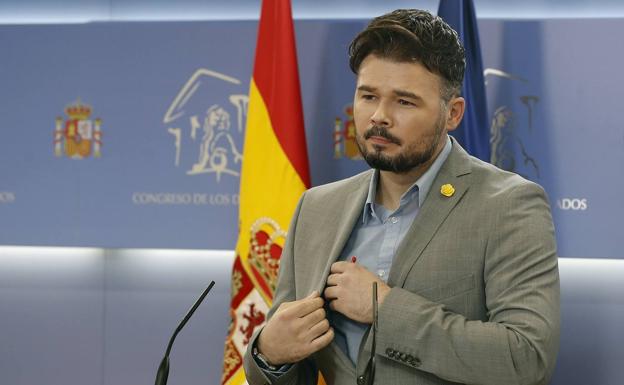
(447, 190)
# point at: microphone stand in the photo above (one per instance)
(163, 368)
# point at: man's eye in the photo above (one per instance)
(405, 102)
(368, 97)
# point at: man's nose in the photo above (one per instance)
(381, 117)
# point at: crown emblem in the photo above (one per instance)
(78, 111)
(77, 136)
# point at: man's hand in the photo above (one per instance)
(349, 288)
(295, 331)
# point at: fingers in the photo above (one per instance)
(340, 267)
(286, 305)
(313, 318)
(296, 330)
(331, 292)
(305, 306)
(332, 279)
(322, 341)
(318, 329)
(319, 342)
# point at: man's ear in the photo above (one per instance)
(455, 112)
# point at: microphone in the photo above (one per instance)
(370, 367)
(373, 347)
(163, 369)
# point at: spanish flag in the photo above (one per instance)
(274, 175)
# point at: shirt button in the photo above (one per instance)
(360, 380)
(394, 219)
(381, 273)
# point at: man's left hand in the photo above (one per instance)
(350, 291)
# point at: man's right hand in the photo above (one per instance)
(295, 331)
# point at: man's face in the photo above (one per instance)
(399, 115)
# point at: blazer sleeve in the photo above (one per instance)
(518, 341)
(303, 372)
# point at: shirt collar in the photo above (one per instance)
(419, 189)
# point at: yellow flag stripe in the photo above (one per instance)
(237, 378)
(270, 185)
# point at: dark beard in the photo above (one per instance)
(402, 163)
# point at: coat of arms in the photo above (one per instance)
(77, 136)
(345, 144)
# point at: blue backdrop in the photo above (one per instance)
(172, 99)
(170, 96)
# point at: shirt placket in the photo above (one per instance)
(392, 227)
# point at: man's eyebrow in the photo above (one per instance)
(407, 94)
(366, 88)
(401, 93)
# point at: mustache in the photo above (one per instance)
(382, 132)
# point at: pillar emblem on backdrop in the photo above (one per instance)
(77, 136)
(509, 128)
(206, 130)
(515, 126)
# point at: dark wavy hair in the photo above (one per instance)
(408, 35)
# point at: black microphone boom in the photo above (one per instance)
(163, 369)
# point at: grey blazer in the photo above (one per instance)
(475, 282)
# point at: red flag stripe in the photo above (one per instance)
(277, 78)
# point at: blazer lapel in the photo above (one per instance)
(456, 172)
(346, 212)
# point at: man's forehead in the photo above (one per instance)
(382, 64)
(401, 78)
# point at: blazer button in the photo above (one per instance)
(360, 380)
(415, 362)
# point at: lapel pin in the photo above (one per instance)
(447, 190)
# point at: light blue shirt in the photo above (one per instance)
(375, 239)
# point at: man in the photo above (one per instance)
(463, 253)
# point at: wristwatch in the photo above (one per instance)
(262, 360)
